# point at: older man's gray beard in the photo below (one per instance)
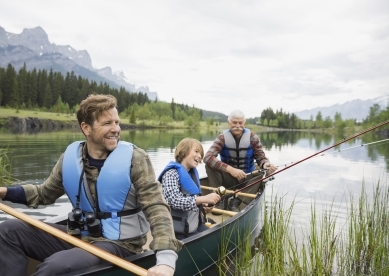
(237, 128)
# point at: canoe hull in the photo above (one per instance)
(200, 251)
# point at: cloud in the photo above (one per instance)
(222, 55)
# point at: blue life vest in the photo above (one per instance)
(239, 156)
(188, 184)
(185, 222)
(121, 217)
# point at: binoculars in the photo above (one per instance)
(88, 222)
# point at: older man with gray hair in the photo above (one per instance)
(240, 152)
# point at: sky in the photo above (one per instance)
(223, 55)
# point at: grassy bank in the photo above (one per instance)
(11, 112)
(359, 247)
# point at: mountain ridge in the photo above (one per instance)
(32, 46)
(355, 109)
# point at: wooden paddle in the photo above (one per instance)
(229, 192)
(224, 212)
(76, 242)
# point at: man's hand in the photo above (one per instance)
(160, 270)
(238, 174)
(3, 192)
(270, 167)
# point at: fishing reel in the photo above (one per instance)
(264, 172)
(84, 222)
(221, 190)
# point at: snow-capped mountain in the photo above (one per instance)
(33, 48)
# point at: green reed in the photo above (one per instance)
(275, 241)
(5, 168)
(365, 248)
(358, 245)
(241, 260)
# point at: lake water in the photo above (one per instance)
(325, 180)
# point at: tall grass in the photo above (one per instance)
(365, 248)
(5, 168)
(241, 260)
(275, 238)
(357, 245)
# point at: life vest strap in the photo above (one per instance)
(237, 149)
(177, 218)
(107, 215)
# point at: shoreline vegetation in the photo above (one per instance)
(37, 91)
(20, 121)
(356, 245)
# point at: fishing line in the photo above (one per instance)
(340, 150)
(317, 153)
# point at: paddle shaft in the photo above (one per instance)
(76, 242)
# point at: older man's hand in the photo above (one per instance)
(270, 167)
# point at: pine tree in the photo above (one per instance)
(22, 84)
(8, 85)
(42, 82)
(14, 95)
(56, 86)
(32, 88)
(132, 116)
(173, 108)
(121, 98)
(47, 97)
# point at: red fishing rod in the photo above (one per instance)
(298, 162)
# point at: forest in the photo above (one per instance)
(51, 91)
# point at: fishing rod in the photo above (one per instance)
(357, 146)
(339, 150)
(317, 153)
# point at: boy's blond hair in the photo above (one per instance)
(185, 146)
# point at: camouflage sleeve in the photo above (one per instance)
(49, 191)
(155, 208)
(210, 157)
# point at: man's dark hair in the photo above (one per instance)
(93, 106)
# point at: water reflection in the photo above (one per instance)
(324, 178)
(281, 141)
